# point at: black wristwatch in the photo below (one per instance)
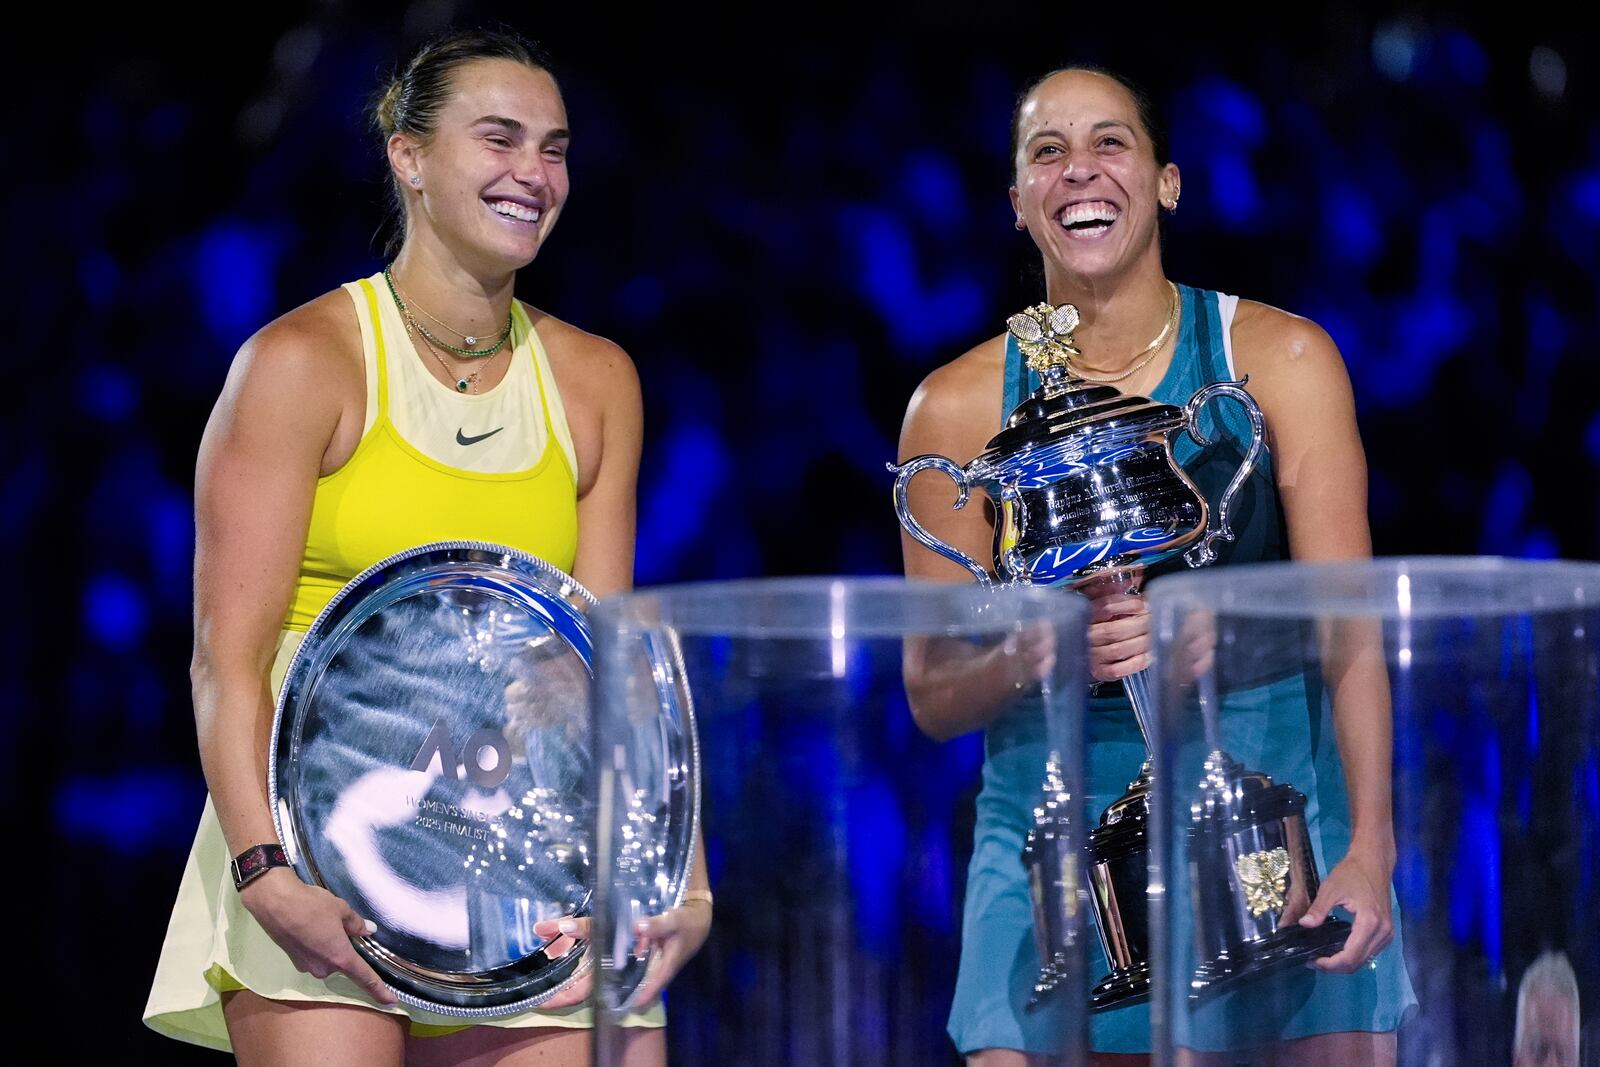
(255, 861)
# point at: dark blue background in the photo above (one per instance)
(786, 227)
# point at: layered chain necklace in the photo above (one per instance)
(433, 343)
(463, 382)
(1143, 356)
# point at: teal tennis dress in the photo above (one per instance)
(1282, 727)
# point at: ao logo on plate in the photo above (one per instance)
(470, 756)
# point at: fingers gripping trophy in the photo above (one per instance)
(1086, 490)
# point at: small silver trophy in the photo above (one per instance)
(1252, 872)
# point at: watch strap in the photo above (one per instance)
(255, 861)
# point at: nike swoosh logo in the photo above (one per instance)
(463, 439)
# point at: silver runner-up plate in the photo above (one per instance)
(432, 765)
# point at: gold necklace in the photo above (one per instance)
(466, 353)
(1142, 357)
(469, 339)
(461, 382)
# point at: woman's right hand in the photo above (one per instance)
(1119, 626)
(314, 928)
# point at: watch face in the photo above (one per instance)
(432, 766)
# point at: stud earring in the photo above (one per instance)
(416, 179)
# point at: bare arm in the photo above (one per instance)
(259, 461)
(258, 465)
(952, 685)
(601, 381)
(607, 510)
(1304, 390)
(608, 497)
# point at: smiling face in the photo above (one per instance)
(1088, 185)
(493, 175)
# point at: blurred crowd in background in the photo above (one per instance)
(786, 228)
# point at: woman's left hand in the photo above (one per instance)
(1119, 624)
(675, 935)
(1360, 885)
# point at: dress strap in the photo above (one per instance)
(525, 328)
(558, 433)
(1018, 380)
(378, 346)
(1208, 347)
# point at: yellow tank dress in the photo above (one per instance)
(432, 465)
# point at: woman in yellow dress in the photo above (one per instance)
(424, 403)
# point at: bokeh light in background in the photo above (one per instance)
(786, 228)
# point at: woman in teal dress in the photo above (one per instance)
(1090, 180)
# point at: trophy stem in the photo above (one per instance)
(1137, 685)
(1119, 874)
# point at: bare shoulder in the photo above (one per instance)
(960, 398)
(292, 387)
(584, 362)
(317, 346)
(1269, 342)
(1295, 370)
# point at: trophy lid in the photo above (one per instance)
(1232, 797)
(1065, 407)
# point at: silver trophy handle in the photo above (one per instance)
(1203, 553)
(902, 508)
(1012, 561)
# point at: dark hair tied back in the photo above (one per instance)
(411, 101)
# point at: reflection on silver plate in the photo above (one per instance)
(432, 765)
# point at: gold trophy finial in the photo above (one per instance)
(1044, 334)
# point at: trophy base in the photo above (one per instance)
(1289, 945)
(1121, 988)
